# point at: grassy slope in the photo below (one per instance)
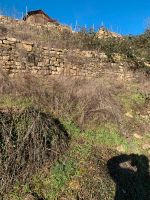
(81, 173)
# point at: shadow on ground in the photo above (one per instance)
(131, 176)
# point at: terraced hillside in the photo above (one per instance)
(74, 137)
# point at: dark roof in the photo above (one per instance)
(39, 12)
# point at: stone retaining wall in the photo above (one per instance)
(24, 57)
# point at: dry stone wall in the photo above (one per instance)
(24, 57)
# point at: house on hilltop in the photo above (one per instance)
(40, 17)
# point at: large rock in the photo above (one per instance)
(104, 33)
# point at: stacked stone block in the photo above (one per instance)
(25, 57)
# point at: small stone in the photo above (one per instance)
(19, 67)
(146, 146)
(5, 57)
(6, 41)
(128, 114)
(40, 64)
(120, 148)
(28, 47)
(61, 65)
(12, 39)
(58, 53)
(59, 69)
(54, 68)
(53, 59)
(17, 63)
(137, 136)
(74, 67)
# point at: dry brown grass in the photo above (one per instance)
(88, 102)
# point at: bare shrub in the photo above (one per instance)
(28, 140)
(87, 102)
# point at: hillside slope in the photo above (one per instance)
(82, 133)
(103, 118)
